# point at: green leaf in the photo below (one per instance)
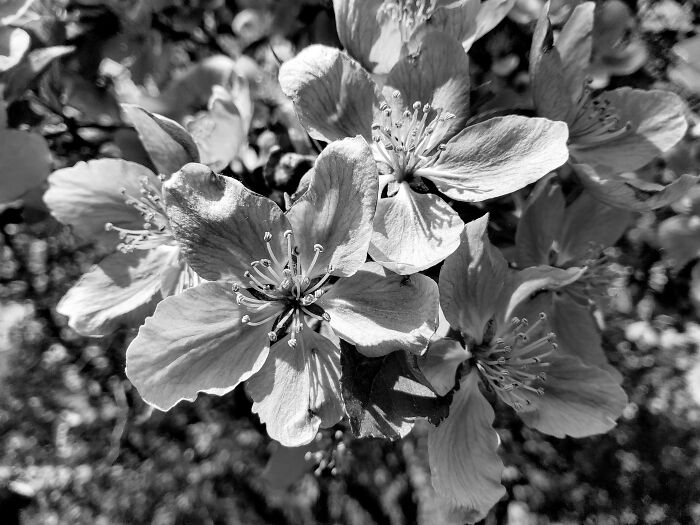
(384, 395)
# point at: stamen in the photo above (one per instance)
(155, 230)
(516, 359)
(595, 120)
(406, 139)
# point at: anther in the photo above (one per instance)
(318, 248)
(267, 236)
(272, 336)
(245, 319)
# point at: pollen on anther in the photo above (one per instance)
(272, 336)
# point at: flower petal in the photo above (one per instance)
(24, 163)
(631, 193)
(14, 44)
(167, 143)
(471, 280)
(440, 362)
(413, 231)
(337, 209)
(458, 21)
(463, 453)
(523, 284)
(679, 238)
(88, 195)
(575, 327)
(540, 224)
(437, 73)
(219, 132)
(498, 157)
(575, 44)
(369, 36)
(333, 96)
(549, 87)
(590, 222)
(121, 289)
(578, 400)
(298, 389)
(195, 342)
(221, 224)
(380, 312)
(490, 14)
(658, 123)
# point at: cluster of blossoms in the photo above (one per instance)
(229, 288)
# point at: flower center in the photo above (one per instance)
(283, 282)
(408, 14)
(407, 138)
(600, 273)
(515, 360)
(155, 230)
(595, 120)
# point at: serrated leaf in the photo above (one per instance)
(383, 396)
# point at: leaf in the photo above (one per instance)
(20, 78)
(24, 163)
(384, 395)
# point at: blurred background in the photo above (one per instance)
(77, 444)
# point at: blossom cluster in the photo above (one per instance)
(369, 265)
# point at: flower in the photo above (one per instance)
(502, 357)
(417, 127)
(117, 203)
(221, 131)
(551, 233)
(617, 47)
(615, 131)
(378, 33)
(280, 276)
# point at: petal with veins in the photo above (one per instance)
(195, 342)
(413, 231)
